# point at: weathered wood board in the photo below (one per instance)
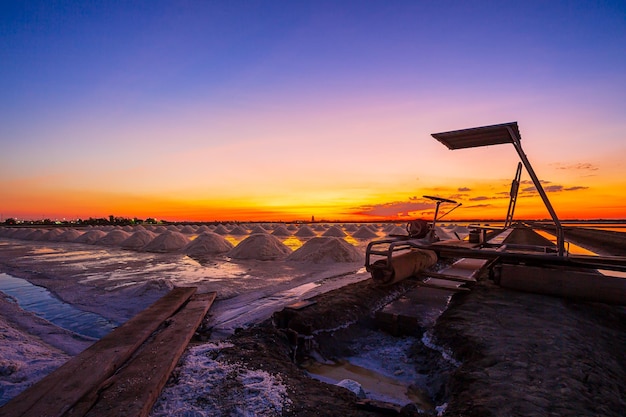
(56, 393)
(134, 389)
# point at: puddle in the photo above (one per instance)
(377, 386)
(41, 302)
(382, 364)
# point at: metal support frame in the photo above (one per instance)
(560, 240)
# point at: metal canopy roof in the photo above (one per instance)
(479, 136)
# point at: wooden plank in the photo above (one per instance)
(447, 277)
(56, 393)
(440, 286)
(135, 388)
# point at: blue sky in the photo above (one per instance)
(99, 97)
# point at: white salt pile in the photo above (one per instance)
(69, 235)
(319, 228)
(51, 235)
(334, 231)
(292, 227)
(238, 231)
(305, 231)
(258, 229)
(397, 230)
(113, 238)
(207, 243)
(22, 234)
(350, 227)
(261, 246)
(188, 230)
(91, 236)
(138, 240)
(326, 250)
(221, 230)
(364, 232)
(169, 241)
(281, 231)
(204, 228)
(442, 234)
(37, 234)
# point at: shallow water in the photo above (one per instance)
(41, 302)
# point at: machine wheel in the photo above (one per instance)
(417, 229)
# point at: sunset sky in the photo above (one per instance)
(283, 110)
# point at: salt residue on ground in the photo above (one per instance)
(199, 391)
(261, 246)
(326, 249)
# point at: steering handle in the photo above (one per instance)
(443, 200)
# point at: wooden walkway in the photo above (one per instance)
(419, 308)
(123, 373)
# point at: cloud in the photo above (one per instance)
(555, 188)
(581, 166)
(480, 206)
(393, 209)
(530, 182)
(464, 189)
(480, 198)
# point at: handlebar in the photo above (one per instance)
(443, 200)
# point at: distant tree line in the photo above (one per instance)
(98, 221)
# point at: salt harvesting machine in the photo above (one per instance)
(516, 256)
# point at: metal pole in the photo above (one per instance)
(559, 229)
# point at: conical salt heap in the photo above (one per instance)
(364, 232)
(326, 250)
(169, 241)
(90, 237)
(334, 231)
(188, 230)
(207, 243)
(261, 246)
(258, 229)
(281, 231)
(52, 235)
(113, 238)
(221, 230)
(305, 231)
(69, 235)
(397, 230)
(138, 240)
(238, 231)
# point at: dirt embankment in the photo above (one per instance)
(526, 354)
(276, 345)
